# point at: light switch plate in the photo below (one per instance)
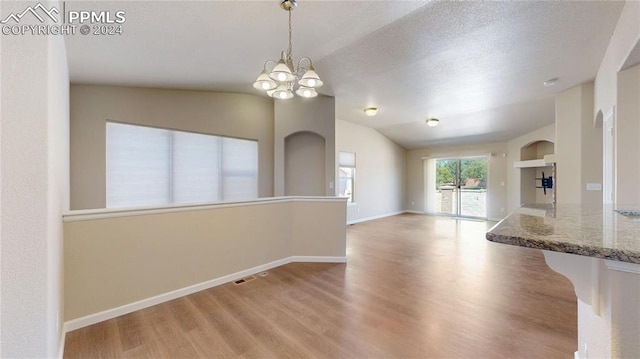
(594, 187)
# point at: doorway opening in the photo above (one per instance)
(461, 187)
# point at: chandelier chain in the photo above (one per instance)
(289, 50)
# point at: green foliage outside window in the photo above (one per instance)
(473, 169)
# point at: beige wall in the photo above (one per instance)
(568, 179)
(115, 261)
(304, 164)
(34, 190)
(627, 134)
(315, 115)
(624, 38)
(496, 176)
(515, 178)
(380, 171)
(592, 148)
(317, 228)
(234, 115)
(578, 147)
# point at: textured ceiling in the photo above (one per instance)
(477, 66)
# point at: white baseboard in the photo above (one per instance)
(443, 215)
(63, 336)
(576, 355)
(374, 217)
(165, 297)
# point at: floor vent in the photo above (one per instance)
(244, 280)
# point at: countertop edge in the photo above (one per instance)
(564, 247)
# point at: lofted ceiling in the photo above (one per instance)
(477, 66)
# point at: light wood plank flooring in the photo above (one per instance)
(414, 287)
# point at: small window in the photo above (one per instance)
(347, 175)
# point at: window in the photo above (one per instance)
(151, 166)
(346, 175)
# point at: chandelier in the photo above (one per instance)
(284, 79)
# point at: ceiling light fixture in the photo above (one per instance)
(550, 82)
(283, 78)
(371, 111)
(433, 122)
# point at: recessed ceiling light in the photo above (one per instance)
(371, 111)
(550, 82)
(433, 122)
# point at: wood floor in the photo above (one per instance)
(414, 287)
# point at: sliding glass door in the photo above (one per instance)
(447, 186)
(461, 186)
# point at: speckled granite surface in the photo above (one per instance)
(588, 230)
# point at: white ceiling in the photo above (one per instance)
(477, 66)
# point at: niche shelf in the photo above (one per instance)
(546, 161)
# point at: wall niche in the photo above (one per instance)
(536, 158)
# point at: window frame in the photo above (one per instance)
(351, 167)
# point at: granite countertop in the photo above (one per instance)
(588, 230)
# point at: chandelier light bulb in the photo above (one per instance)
(306, 92)
(282, 77)
(312, 82)
(264, 82)
(283, 95)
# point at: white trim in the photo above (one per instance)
(530, 163)
(458, 155)
(576, 355)
(354, 221)
(101, 213)
(63, 337)
(623, 266)
(161, 298)
(454, 217)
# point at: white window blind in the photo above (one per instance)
(196, 168)
(149, 166)
(347, 159)
(239, 169)
(137, 166)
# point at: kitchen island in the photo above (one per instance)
(598, 250)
